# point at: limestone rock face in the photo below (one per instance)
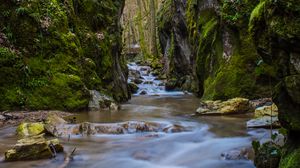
(231, 106)
(33, 148)
(207, 49)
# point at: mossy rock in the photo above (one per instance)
(30, 129)
(267, 155)
(34, 148)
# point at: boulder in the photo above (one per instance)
(30, 129)
(99, 101)
(231, 106)
(135, 74)
(54, 125)
(133, 87)
(266, 111)
(237, 154)
(2, 118)
(33, 148)
(137, 81)
(144, 92)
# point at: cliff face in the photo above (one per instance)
(275, 26)
(53, 51)
(208, 49)
(237, 48)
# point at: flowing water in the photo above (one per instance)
(200, 147)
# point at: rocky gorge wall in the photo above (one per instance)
(52, 52)
(232, 48)
(275, 26)
(208, 49)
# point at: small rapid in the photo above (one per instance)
(149, 84)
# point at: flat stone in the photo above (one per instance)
(264, 122)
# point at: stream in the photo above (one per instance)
(199, 147)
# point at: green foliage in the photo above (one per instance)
(256, 15)
(256, 145)
(237, 12)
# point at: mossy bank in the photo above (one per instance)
(52, 52)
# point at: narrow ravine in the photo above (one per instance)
(210, 142)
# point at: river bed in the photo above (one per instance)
(201, 147)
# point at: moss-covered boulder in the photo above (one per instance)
(30, 129)
(231, 106)
(33, 148)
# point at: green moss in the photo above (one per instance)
(30, 129)
(291, 160)
(61, 49)
(256, 15)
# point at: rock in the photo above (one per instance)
(137, 81)
(171, 85)
(175, 128)
(156, 72)
(133, 87)
(261, 102)
(30, 129)
(134, 74)
(266, 111)
(242, 154)
(287, 98)
(33, 148)
(267, 155)
(99, 101)
(129, 127)
(264, 122)
(54, 125)
(114, 107)
(144, 92)
(231, 106)
(2, 118)
(148, 82)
